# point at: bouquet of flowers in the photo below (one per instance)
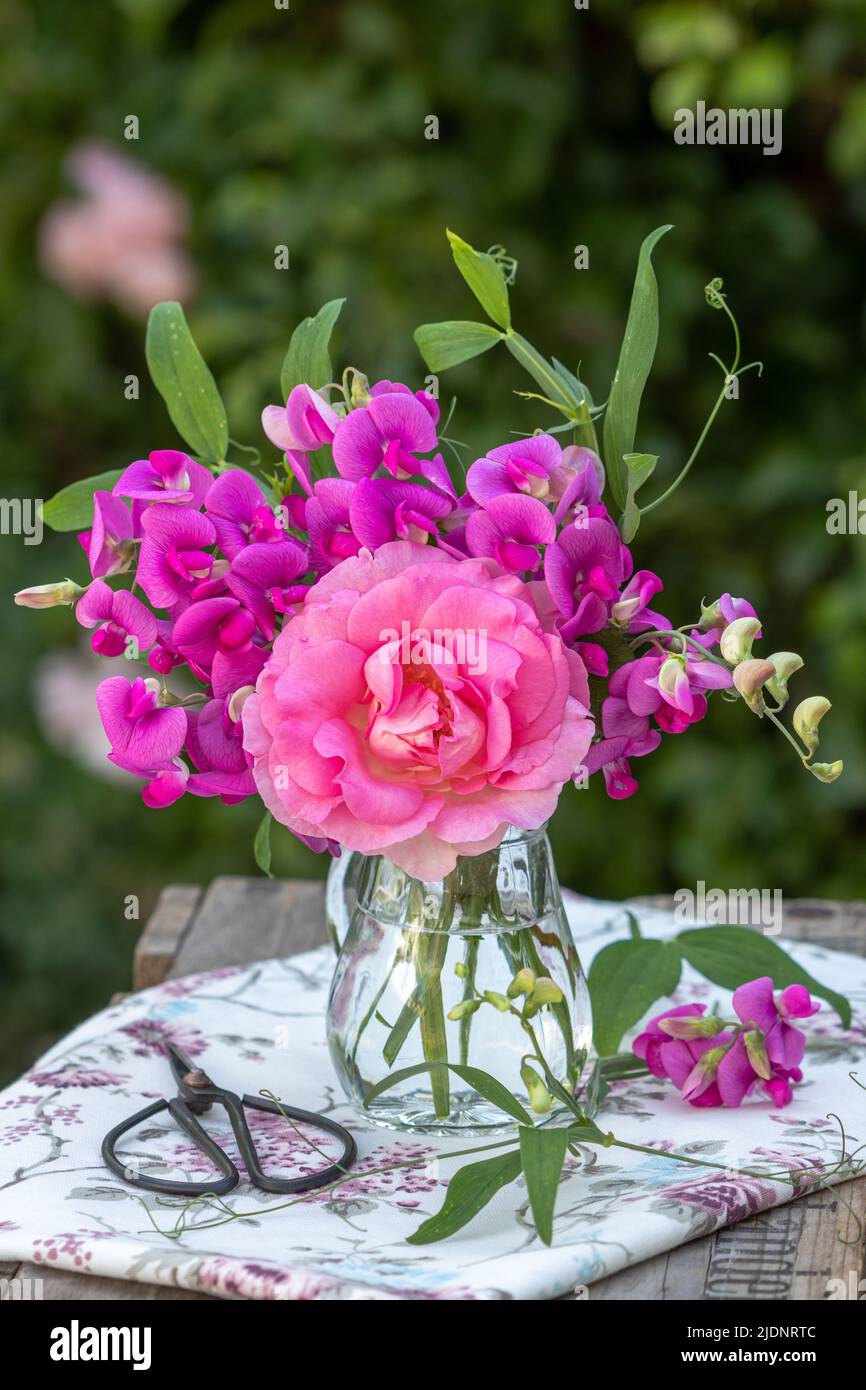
(399, 656)
(407, 653)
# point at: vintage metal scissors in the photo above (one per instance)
(196, 1093)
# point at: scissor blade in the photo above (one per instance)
(180, 1063)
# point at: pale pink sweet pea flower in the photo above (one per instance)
(117, 616)
(421, 761)
(303, 424)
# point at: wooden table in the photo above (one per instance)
(787, 1253)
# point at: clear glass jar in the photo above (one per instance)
(450, 971)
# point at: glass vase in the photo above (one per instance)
(478, 970)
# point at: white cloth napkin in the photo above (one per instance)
(263, 1026)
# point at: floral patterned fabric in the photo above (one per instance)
(262, 1026)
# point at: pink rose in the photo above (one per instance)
(420, 746)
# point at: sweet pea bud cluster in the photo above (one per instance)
(754, 676)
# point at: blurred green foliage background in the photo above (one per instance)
(306, 128)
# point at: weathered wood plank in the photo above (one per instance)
(164, 931)
(245, 919)
(823, 921)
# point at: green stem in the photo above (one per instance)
(434, 1041)
(470, 961)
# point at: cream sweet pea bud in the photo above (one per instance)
(238, 700)
(786, 663)
(523, 983)
(807, 717)
(749, 678)
(704, 1026)
(497, 1000)
(464, 1009)
(360, 390)
(61, 594)
(757, 1053)
(737, 638)
(540, 1099)
(544, 992)
(826, 772)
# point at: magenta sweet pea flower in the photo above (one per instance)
(304, 423)
(263, 577)
(174, 556)
(631, 610)
(430, 404)
(210, 626)
(143, 734)
(328, 522)
(215, 746)
(389, 433)
(166, 475)
(240, 514)
(108, 544)
(117, 617)
(510, 529)
(681, 677)
(759, 1008)
(647, 1045)
(725, 610)
(383, 509)
(526, 466)
(584, 570)
(577, 482)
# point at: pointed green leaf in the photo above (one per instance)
(308, 360)
(485, 278)
(635, 360)
(481, 1081)
(542, 1153)
(448, 344)
(625, 979)
(71, 509)
(262, 844)
(639, 468)
(731, 956)
(183, 379)
(469, 1191)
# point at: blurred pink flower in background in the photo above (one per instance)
(123, 239)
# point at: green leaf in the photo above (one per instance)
(71, 509)
(731, 956)
(448, 344)
(633, 368)
(471, 1188)
(262, 844)
(485, 278)
(542, 1152)
(625, 979)
(183, 379)
(308, 359)
(481, 1081)
(639, 468)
